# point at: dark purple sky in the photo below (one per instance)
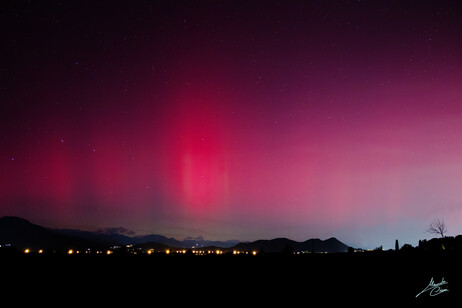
(233, 119)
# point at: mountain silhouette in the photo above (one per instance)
(120, 239)
(284, 244)
(22, 234)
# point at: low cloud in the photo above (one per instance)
(116, 230)
(198, 238)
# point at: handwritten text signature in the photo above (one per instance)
(435, 288)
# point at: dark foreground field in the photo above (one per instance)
(311, 279)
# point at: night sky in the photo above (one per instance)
(233, 119)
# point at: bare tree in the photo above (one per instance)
(437, 227)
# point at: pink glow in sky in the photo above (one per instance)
(234, 120)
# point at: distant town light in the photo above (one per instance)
(70, 251)
(40, 251)
(254, 253)
(27, 250)
(167, 251)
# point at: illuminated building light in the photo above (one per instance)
(70, 251)
(108, 252)
(40, 251)
(167, 251)
(254, 253)
(27, 250)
